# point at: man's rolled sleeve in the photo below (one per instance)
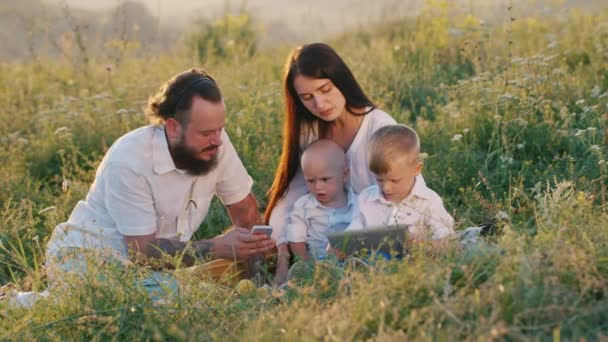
(234, 183)
(129, 201)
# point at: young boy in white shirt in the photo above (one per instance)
(328, 207)
(401, 196)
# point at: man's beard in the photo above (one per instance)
(185, 159)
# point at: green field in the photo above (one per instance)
(512, 116)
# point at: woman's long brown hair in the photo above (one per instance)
(316, 60)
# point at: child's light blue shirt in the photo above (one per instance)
(311, 221)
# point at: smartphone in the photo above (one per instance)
(261, 229)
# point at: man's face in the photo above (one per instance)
(195, 146)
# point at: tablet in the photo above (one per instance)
(386, 240)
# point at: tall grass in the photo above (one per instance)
(512, 119)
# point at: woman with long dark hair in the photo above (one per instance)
(323, 101)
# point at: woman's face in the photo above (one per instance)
(320, 96)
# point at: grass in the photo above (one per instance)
(512, 117)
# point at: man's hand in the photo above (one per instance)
(239, 243)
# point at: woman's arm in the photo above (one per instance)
(279, 218)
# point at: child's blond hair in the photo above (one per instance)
(392, 143)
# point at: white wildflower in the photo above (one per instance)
(64, 185)
(47, 209)
(579, 133)
(457, 137)
(591, 129)
(602, 162)
(35, 238)
(506, 160)
(502, 215)
(465, 131)
(62, 130)
(506, 96)
(595, 148)
(580, 102)
(520, 146)
(455, 32)
(595, 92)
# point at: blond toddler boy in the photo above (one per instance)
(401, 196)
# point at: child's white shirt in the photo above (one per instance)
(422, 210)
(310, 222)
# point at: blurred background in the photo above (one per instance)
(45, 27)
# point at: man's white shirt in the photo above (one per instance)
(139, 191)
(310, 222)
(422, 210)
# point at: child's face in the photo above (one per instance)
(397, 184)
(325, 181)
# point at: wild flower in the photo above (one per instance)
(47, 209)
(591, 129)
(579, 133)
(455, 32)
(502, 215)
(602, 162)
(64, 185)
(595, 92)
(465, 131)
(520, 146)
(506, 160)
(61, 130)
(595, 148)
(505, 97)
(457, 137)
(580, 102)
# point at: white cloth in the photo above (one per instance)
(422, 210)
(139, 191)
(311, 221)
(356, 156)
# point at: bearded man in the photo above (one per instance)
(153, 188)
